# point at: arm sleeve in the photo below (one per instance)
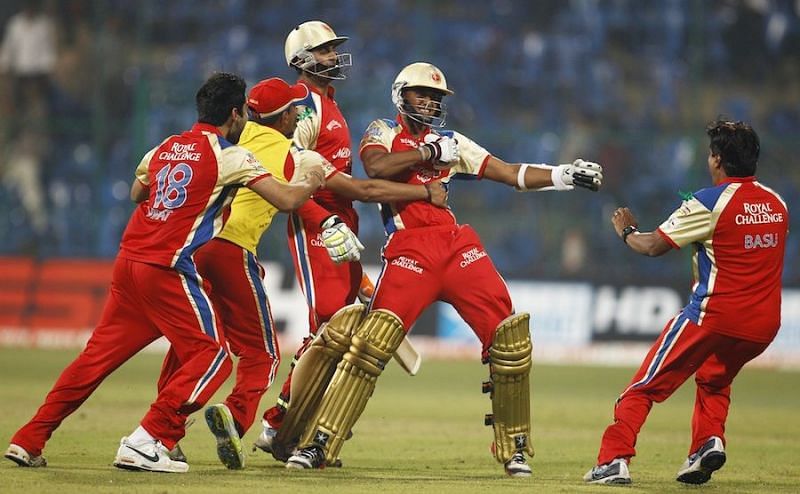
(312, 213)
(144, 166)
(307, 131)
(691, 222)
(304, 158)
(239, 166)
(472, 161)
(379, 134)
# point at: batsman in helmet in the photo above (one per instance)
(428, 253)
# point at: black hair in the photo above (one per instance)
(216, 98)
(736, 144)
(266, 121)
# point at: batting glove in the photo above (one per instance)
(580, 173)
(442, 151)
(341, 243)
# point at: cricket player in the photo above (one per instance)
(182, 187)
(235, 274)
(328, 284)
(737, 230)
(428, 254)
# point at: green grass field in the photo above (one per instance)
(421, 434)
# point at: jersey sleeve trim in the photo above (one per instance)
(667, 239)
(371, 145)
(258, 179)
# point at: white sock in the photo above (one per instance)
(139, 436)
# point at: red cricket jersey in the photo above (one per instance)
(738, 229)
(321, 127)
(392, 136)
(191, 178)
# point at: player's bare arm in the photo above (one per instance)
(378, 190)
(139, 192)
(288, 197)
(526, 176)
(380, 163)
(647, 243)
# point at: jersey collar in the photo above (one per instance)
(733, 180)
(402, 124)
(205, 127)
(329, 93)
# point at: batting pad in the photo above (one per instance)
(372, 346)
(312, 373)
(509, 366)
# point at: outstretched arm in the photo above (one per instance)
(378, 190)
(288, 197)
(646, 243)
(524, 176)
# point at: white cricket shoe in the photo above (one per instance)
(229, 444)
(615, 472)
(266, 439)
(699, 466)
(518, 466)
(149, 456)
(21, 457)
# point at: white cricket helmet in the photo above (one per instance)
(425, 75)
(306, 37)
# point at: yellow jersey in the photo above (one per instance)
(251, 215)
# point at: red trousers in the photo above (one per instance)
(145, 302)
(447, 263)
(682, 349)
(237, 292)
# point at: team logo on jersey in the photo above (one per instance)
(471, 256)
(409, 142)
(333, 124)
(407, 263)
(304, 112)
(758, 213)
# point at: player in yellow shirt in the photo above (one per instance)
(229, 262)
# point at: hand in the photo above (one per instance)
(437, 194)
(315, 175)
(341, 243)
(442, 151)
(621, 218)
(580, 173)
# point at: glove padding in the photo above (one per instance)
(580, 173)
(341, 243)
(443, 151)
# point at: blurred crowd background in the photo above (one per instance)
(89, 86)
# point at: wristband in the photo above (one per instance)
(521, 177)
(627, 231)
